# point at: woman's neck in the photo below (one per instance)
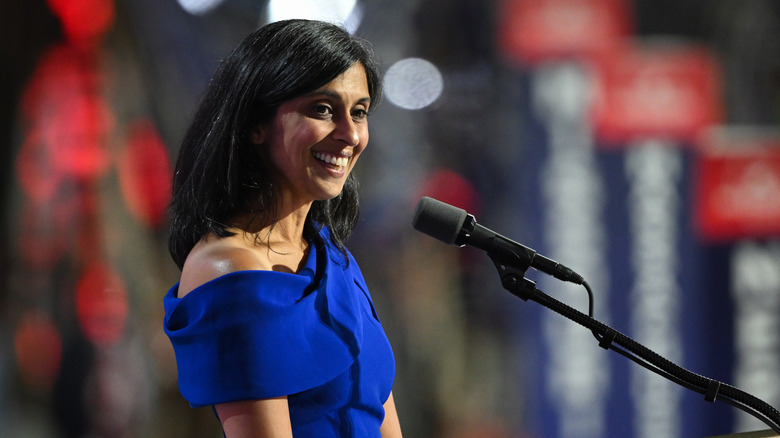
(285, 229)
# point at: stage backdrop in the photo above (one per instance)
(632, 181)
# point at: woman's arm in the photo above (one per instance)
(391, 426)
(268, 418)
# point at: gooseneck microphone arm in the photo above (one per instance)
(454, 226)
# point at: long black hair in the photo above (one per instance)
(219, 173)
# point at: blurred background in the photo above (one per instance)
(635, 141)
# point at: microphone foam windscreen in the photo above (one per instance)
(438, 220)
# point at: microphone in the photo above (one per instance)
(453, 226)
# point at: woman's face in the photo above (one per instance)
(314, 140)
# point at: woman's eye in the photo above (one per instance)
(322, 110)
(359, 114)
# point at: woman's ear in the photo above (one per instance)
(257, 135)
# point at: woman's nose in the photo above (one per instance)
(347, 131)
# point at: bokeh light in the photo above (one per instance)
(413, 83)
(69, 120)
(345, 12)
(84, 20)
(452, 188)
(101, 304)
(199, 7)
(145, 174)
(77, 135)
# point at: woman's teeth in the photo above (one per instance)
(331, 159)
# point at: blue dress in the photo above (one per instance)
(313, 336)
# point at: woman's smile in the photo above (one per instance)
(334, 160)
(336, 164)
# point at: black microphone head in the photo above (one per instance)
(438, 220)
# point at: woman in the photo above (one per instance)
(271, 322)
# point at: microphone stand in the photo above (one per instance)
(512, 268)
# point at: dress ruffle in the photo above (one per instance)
(261, 334)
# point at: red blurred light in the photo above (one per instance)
(101, 304)
(66, 113)
(84, 20)
(77, 136)
(145, 174)
(38, 350)
(62, 72)
(451, 188)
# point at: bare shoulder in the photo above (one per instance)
(214, 257)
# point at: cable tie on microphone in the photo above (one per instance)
(606, 341)
(713, 386)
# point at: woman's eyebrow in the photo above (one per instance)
(334, 95)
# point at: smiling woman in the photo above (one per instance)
(272, 322)
(314, 140)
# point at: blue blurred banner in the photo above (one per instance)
(623, 218)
